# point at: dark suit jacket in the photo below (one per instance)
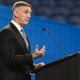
(15, 58)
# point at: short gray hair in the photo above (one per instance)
(20, 3)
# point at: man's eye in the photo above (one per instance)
(25, 12)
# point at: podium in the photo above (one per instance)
(67, 68)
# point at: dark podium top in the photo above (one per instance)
(67, 68)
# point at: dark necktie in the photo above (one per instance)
(24, 36)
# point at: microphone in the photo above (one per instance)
(55, 39)
(44, 29)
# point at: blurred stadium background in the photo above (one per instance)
(60, 17)
(67, 11)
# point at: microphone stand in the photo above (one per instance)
(54, 38)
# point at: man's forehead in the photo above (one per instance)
(25, 8)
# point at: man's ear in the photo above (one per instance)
(15, 13)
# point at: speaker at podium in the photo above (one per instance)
(67, 68)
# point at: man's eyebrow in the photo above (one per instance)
(28, 10)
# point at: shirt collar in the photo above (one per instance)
(17, 25)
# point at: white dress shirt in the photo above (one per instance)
(17, 26)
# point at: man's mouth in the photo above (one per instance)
(27, 20)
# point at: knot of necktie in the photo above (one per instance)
(24, 36)
(23, 33)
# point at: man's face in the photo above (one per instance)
(23, 15)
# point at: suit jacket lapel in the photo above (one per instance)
(19, 37)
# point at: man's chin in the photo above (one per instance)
(25, 24)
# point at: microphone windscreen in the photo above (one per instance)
(43, 29)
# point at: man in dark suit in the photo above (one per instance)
(15, 57)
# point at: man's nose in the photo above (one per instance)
(29, 15)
